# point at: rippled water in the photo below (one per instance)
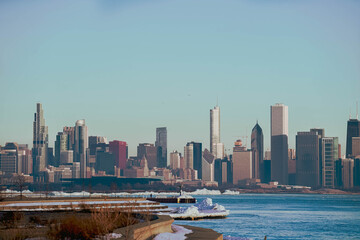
(285, 216)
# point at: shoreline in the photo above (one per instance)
(281, 191)
(27, 195)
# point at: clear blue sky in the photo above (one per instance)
(128, 67)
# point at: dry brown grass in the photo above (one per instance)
(11, 219)
(100, 222)
(15, 234)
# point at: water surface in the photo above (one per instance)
(286, 216)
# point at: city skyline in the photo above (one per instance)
(228, 149)
(134, 66)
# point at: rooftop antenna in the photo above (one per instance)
(357, 110)
(350, 114)
(217, 101)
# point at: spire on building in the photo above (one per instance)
(357, 111)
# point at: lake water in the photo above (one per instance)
(285, 216)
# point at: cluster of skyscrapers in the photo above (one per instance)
(316, 162)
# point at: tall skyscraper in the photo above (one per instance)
(214, 128)
(118, 149)
(216, 147)
(257, 148)
(161, 144)
(193, 157)
(81, 146)
(279, 143)
(189, 156)
(61, 144)
(198, 158)
(329, 153)
(353, 130)
(308, 159)
(40, 142)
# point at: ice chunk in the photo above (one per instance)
(230, 192)
(203, 209)
(205, 204)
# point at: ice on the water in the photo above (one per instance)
(203, 209)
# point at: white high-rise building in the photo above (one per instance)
(216, 147)
(81, 145)
(175, 160)
(189, 156)
(279, 143)
(279, 120)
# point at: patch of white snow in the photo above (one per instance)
(178, 234)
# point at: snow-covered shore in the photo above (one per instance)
(203, 191)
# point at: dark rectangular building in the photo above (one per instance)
(257, 149)
(149, 151)
(279, 159)
(161, 144)
(308, 159)
(353, 130)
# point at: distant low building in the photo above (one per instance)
(66, 157)
(188, 174)
(139, 169)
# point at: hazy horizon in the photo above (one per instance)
(129, 67)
